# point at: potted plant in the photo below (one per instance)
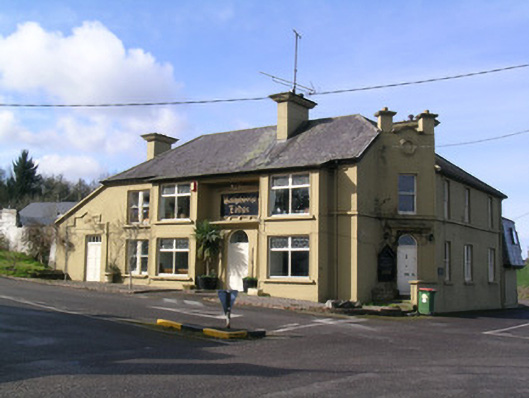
(209, 239)
(248, 282)
(113, 275)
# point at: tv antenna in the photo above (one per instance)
(294, 84)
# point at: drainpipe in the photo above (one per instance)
(66, 249)
(335, 221)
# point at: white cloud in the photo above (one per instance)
(90, 65)
(71, 167)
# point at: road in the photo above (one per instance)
(63, 342)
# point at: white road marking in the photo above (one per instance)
(323, 322)
(203, 314)
(195, 303)
(501, 332)
(40, 305)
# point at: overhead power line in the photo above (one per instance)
(499, 137)
(245, 99)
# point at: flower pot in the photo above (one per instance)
(109, 277)
(207, 282)
(248, 283)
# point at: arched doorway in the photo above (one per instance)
(406, 263)
(237, 260)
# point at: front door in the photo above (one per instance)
(406, 263)
(93, 259)
(237, 260)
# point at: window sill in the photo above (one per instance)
(137, 225)
(289, 217)
(135, 276)
(493, 283)
(448, 283)
(183, 278)
(293, 281)
(172, 221)
(469, 283)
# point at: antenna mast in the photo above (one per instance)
(298, 36)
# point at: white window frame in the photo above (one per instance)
(138, 256)
(288, 187)
(446, 199)
(403, 193)
(448, 261)
(175, 195)
(467, 263)
(288, 249)
(173, 250)
(141, 205)
(467, 205)
(492, 264)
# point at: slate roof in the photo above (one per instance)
(43, 213)
(319, 142)
(450, 170)
(512, 252)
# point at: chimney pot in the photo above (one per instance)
(385, 119)
(427, 122)
(157, 144)
(292, 111)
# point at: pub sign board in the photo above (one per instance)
(240, 204)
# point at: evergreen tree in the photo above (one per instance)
(25, 182)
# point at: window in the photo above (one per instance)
(138, 256)
(514, 236)
(406, 194)
(467, 205)
(446, 199)
(491, 212)
(447, 261)
(175, 201)
(173, 256)
(289, 256)
(468, 263)
(492, 264)
(139, 203)
(289, 194)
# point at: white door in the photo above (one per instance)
(93, 259)
(406, 263)
(237, 260)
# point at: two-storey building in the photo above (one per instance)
(335, 208)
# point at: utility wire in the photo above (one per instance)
(224, 100)
(485, 139)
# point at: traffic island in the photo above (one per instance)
(217, 333)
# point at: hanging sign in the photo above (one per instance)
(240, 204)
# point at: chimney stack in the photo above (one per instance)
(427, 122)
(157, 144)
(292, 111)
(385, 120)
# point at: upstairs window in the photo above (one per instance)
(289, 256)
(491, 212)
(175, 201)
(467, 205)
(289, 194)
(407, 189)
(138, 251)
(139, 205)
(446, 199)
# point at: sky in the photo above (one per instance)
(86, 52)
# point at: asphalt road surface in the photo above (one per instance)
(63, 342)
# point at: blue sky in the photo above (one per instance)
(126, 51)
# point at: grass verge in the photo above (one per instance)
(19, 264)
